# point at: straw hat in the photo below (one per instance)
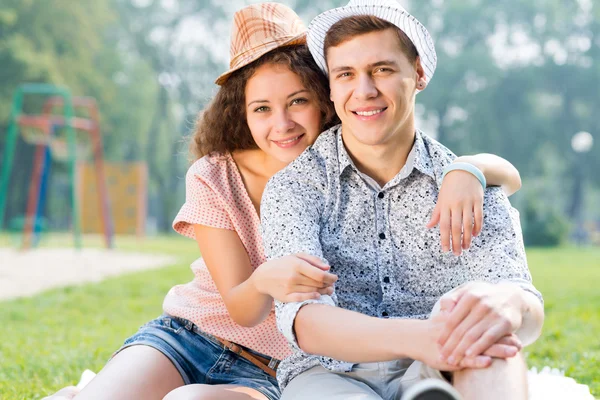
(388, 10)
(260, 28)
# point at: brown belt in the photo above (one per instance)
(269, 366)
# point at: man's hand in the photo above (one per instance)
(429, 352)
(479, 315)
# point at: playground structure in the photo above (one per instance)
(81, 136)
(127, 184)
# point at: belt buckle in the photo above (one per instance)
(234, 348)
(273, 363)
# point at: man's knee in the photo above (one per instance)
(499, 368)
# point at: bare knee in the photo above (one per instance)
(504, 379)
(509, 366)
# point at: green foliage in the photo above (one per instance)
(544, 226)
(513, 77)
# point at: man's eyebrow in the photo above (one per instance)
(373, 65)
(383, 62)
(290, 95)
(340, 69)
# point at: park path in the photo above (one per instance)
(31, 272)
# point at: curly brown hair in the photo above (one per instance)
(221, 127)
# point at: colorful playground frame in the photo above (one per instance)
(47, 123)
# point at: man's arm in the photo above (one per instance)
(505, 301)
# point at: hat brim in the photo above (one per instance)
(295, 40)
(416, 32)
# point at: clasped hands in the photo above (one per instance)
(475, 324)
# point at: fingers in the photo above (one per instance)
(458, 313)
(467, 228)
(500, 351)
(511, 340)
(478, 218)
(445, 229)
(435, 217)
(489, 337)
(319, 277)
(476, 362)
(328, 290)
(300, 279)
(447, 304)
(314, 261)
(463, 336)
(457, 221)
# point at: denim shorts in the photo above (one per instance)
(200, 358)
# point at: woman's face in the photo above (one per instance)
(283, 116)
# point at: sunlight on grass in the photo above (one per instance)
(49, 339)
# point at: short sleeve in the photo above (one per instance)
(203, 205)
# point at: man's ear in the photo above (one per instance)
(421, 78)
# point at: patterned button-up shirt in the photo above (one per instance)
(375, 238)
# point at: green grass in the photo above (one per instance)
(569, 279)
(48, 340)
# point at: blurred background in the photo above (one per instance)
(518, 78)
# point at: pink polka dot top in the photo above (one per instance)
(216, 197)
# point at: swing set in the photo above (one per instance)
(58, 135)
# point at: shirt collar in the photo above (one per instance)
(418, 157)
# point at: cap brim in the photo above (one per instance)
(298, 39)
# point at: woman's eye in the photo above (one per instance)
(300, 100)
(262, 109)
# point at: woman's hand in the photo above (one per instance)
(294, 278)
(459, 210)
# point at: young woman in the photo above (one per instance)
(217, 337)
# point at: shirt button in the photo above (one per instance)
(380, 195)
(384, 314)
(386, 280)
(382, 235)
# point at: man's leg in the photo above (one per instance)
(504, 379)
(319, 383)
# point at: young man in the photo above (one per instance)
(360, 198)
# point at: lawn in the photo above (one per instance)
(48, 340)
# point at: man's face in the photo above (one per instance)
(373, 86)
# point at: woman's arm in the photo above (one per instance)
(459, 207)
(497, 171)
(249, 296)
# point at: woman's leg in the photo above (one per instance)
(136, 372)
(215, 392)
